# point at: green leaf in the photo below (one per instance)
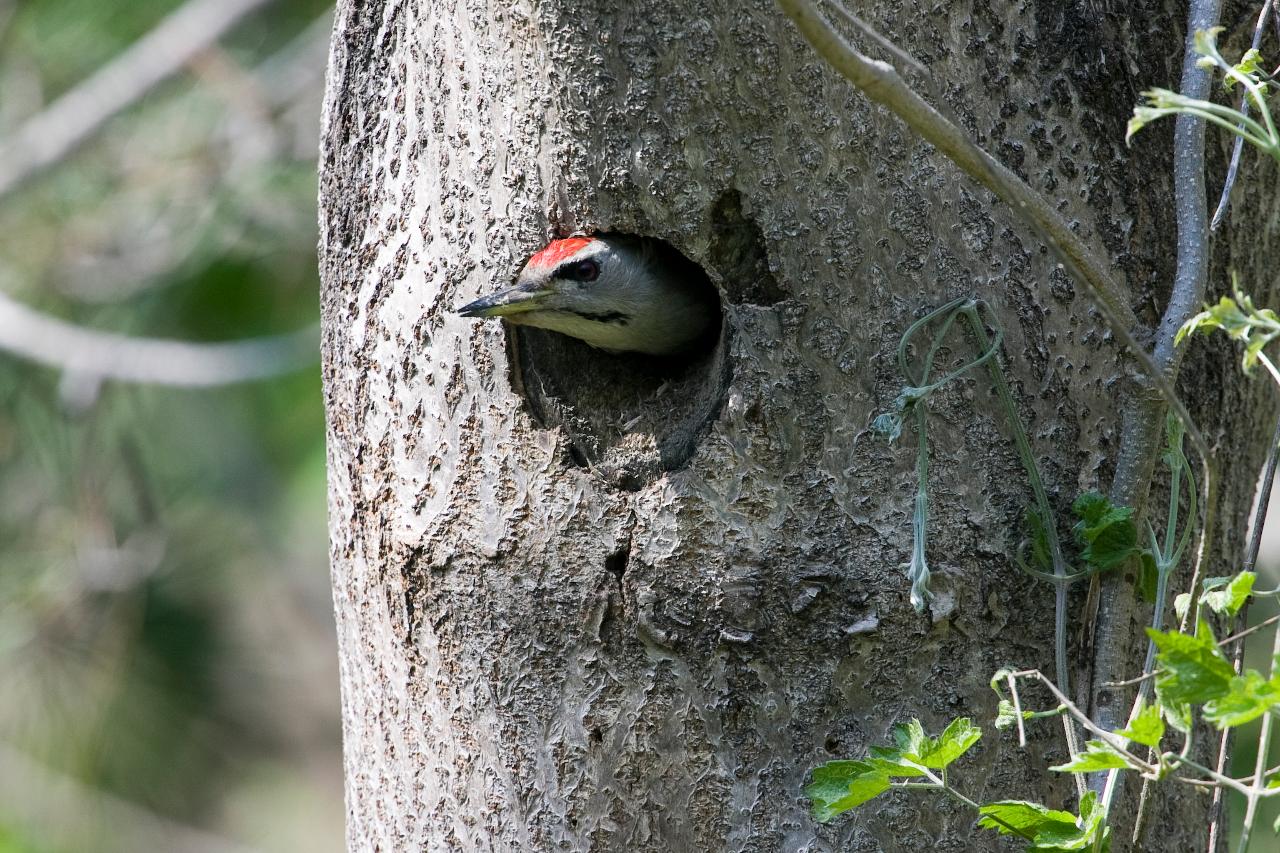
(1249, 65)
(1146, 727)
(1047, 830)
(1249, 697)
(1255, 327)
(915, 749)
(1231, 595)
(1181, 602)
(892, 762)
(918, 573)
(904, 759)
(1178, 716)
(1190, 669)
(1092, 822)
(954, 742)
(839, 786)
(1019, 817)
(1106, 531)
(1097, 756)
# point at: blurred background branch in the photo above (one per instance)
(46, 138)
(166, 643)
(99, 355)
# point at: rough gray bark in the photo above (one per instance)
(583, 604)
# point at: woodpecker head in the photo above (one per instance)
(617, 293)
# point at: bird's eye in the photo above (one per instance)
(586, 270)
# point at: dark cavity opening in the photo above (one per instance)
(739, 257)
(628, 416)
(616, 563)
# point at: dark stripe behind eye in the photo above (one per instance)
(607, 317)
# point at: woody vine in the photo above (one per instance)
(1188, 678)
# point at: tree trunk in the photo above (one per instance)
(587, 602)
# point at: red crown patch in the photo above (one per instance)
(557, 250)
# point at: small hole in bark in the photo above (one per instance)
(616, 563)
(738, 255)
(579, 458)
(628, 416)
(832, 746)
(595, 736)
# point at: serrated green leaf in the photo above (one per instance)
(1146, 727)
(1106, 531)
(1091, 508)
(1181, 602)
(839, 786)
(1178, 716)
(1249, 697)
(910, 737)
(1097, 756)
(1231, 594)
(1047, 830)
(1009, 817)
(955, 741)
(893, 763)
(1241, 320)
(915, 749)
(1190, 669)
(1249, 65)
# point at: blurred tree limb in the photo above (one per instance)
(85, 353)
(48, 137)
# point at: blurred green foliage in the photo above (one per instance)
(167, 667)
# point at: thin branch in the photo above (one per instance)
(1250, 561)
(1111, 739)
(1128, 682)
(1247, 631)
(881, 83)
(1255, 792)
(129, 257)
(1230, 182)
(48, 137)
(1113, 631)
(81, 352)
(1017, 710)
(885, 43)
(1219, 778)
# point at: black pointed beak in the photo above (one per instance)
(516, 300)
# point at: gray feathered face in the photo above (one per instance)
(603, 291)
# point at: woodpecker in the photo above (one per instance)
(617, 293)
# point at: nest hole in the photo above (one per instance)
(628, 416)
